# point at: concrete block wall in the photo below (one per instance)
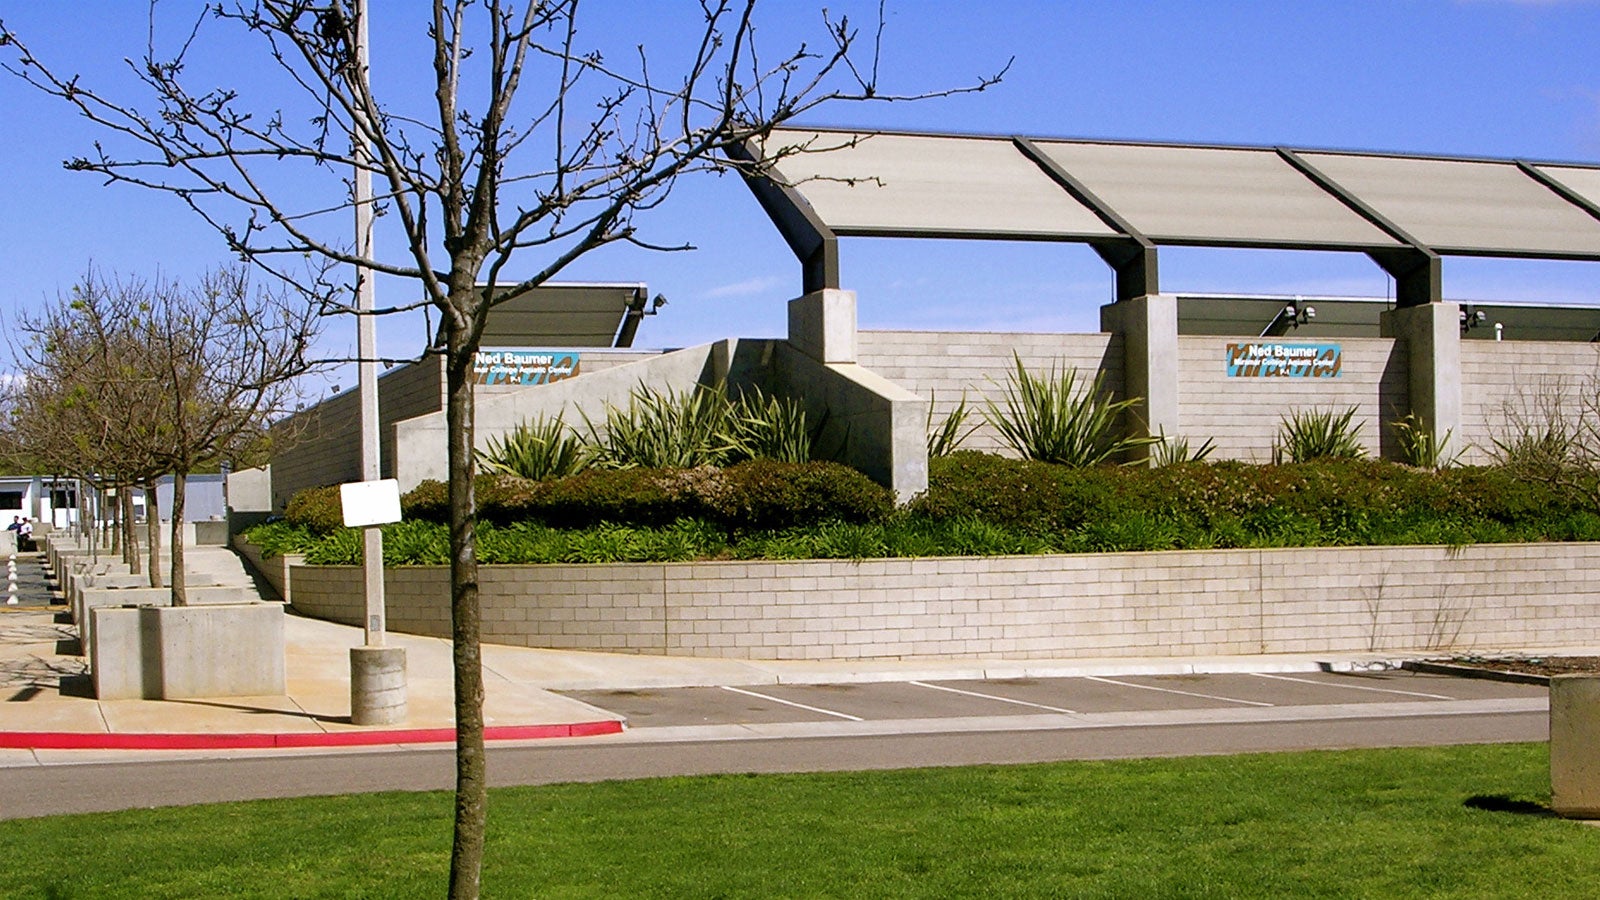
(1521, 376)
(421, 439)
(1298, 600)
(324, 442)
(942, 365)
(1242, 415)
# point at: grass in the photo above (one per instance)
(1400, 823)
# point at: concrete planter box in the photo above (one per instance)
(1086, 606)
(188, 652)
(91, 599)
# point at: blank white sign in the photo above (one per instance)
(370, 502)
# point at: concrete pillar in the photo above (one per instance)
(1432, 334)
(1149, 329)
(1575, 746)
(377, 685)
(822, 325)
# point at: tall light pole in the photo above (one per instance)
(377, 673)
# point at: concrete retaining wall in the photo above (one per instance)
(1082, 606)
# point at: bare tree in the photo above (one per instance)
(531, 145)
(153, 378)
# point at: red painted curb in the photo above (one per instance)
(69, 740)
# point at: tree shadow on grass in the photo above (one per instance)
(1506, 804)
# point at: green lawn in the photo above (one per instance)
(1385, 823)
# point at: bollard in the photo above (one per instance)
(377, 685)
(1574, 739)
(11, 581)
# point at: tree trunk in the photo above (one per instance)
(466, 853)
(152, 532)
(130, 536)
(114, 524)
(180, 593)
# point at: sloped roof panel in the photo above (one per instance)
(1214, 195)
(890, 184)
(1465, 206)
(1581, 180)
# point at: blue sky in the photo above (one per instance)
(1480, 77)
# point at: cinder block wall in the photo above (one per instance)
(944, 365)
(323, 443)
(1086, 606)
(1242, 415)
(1523, 376)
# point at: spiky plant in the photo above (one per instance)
(1052, 418)
(664, 429)
(1172, 451)
(1419, 447)
(766, 426)
(1304, 435)
(948, 437)
(537, 448)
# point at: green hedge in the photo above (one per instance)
(757, 494)
(976, 504)
(1230, 504)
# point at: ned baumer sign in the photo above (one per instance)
(1273, 360)
(499, 366)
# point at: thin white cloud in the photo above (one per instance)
(749, 286)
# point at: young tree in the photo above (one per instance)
(530, 145)
(145, 379)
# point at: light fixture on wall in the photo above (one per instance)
(1471, 318)
(1293, 315)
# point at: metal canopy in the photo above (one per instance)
(1126, 198)
(900, 184)
(1202, 195)
(1467, 207)
(568, 315)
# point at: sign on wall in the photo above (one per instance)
(1274, 360)
(503, 366)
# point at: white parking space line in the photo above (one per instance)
(815, 709)
(1352, 687)
(1148, 687)
(940, 687)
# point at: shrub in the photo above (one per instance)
(1024, 494)
(1050, 419)
(1305, 435)
(428, 501)
(623, 496)
(768, 494)
(280, 538)
(536, 449)
(318, 509)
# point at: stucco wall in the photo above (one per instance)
(1082, 606)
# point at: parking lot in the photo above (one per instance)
(1085, 695)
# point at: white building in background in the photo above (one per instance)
(42, 498)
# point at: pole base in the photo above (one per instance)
(377, 685)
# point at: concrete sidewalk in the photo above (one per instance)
(49, 703)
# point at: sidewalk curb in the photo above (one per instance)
(68, 740)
